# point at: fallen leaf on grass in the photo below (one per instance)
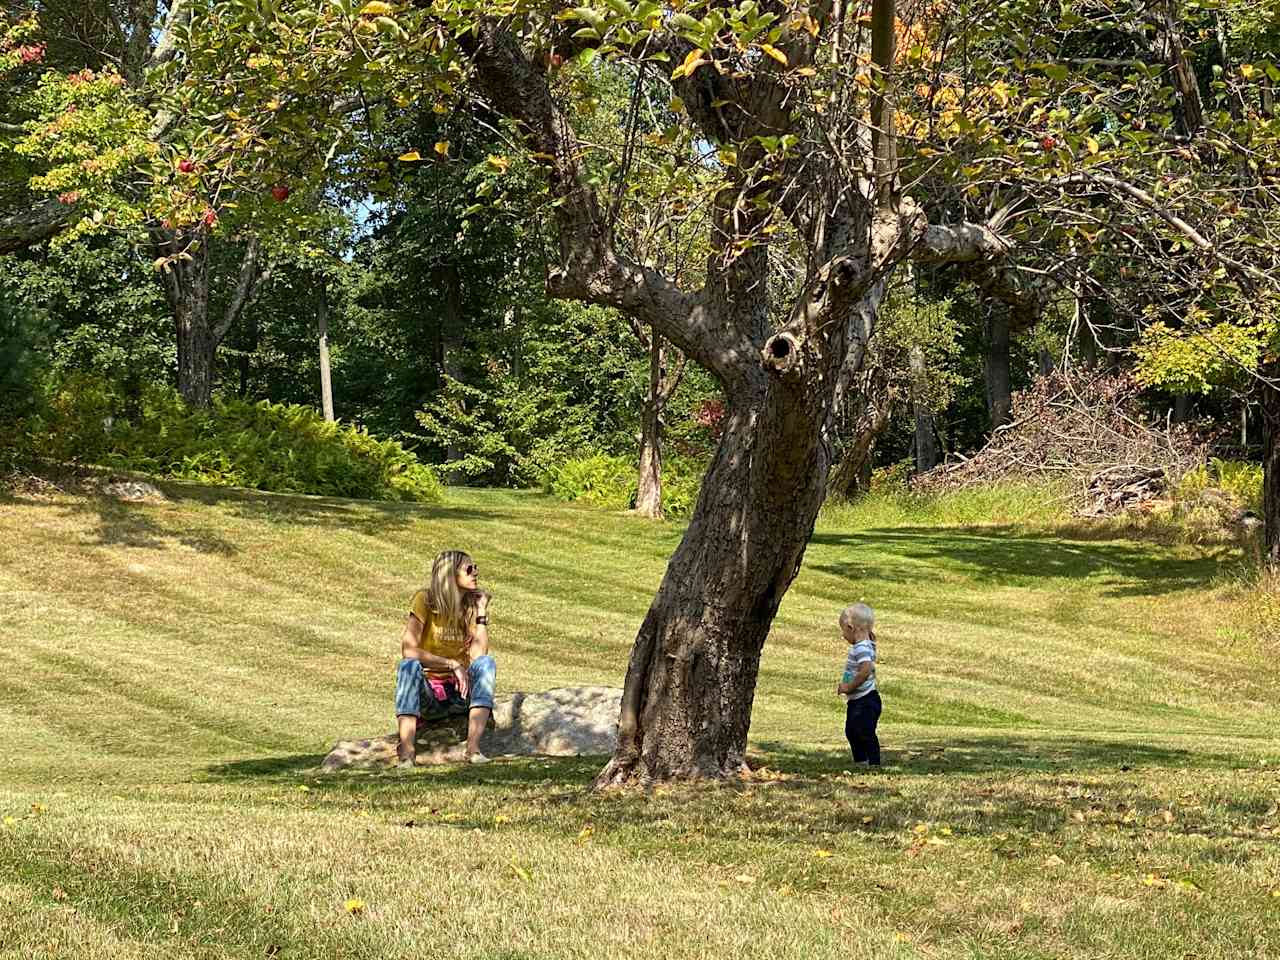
(10, 821)
(1054, 861)
(585, 833)
(501, 818)
(922, 828)
(38, 808)
(822, 854)
(745, 878)
(354, 906)
(521, 872)
(867, 819)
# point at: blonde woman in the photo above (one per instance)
(445, 665)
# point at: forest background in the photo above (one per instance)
(411, 263)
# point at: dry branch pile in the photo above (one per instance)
(1088, 430)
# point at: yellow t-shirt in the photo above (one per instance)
(438, 638)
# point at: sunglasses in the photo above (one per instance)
(470, 570)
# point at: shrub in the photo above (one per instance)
(611, 482)
(1238, 480)
(24, 333)
(598, 478)
(265, 446)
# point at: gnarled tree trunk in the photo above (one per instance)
(692, 675)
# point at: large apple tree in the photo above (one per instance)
(818, 147)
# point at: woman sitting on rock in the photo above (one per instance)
(445, 667)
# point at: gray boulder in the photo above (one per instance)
(563, 722)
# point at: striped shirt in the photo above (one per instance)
(860, 653)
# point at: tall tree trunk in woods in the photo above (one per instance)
(1085, 337)
(1269, 401)
(187, 290)
(926, 442)
(322, 331)
(248, 347)
(186, 287)
(649, 488)
(1181, 408)
(996, 367)
(1189, 109)
(450, 344)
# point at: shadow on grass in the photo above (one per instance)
(999, 755)
(1012, 791)
(1010, 556)
(268, 768)
(959, 755)
(141, 524)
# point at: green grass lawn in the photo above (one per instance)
(1081, 740)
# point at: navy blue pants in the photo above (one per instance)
(860, 721)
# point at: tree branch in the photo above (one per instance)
(36, 224)
(247, 286)
(1169, 217)
(590, 268)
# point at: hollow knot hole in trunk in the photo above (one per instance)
(781, 352)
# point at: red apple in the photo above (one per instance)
(281, 192)
(1048, 143)
(186, 166)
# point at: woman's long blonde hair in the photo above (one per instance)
(443, 595)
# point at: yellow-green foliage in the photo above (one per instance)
(603, 480)
(1239, 479)
(1196, 360)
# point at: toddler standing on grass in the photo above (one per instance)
(858, 684)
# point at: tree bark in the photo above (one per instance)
(691, 679)
(1181, 408)
(187, 290)
(1190, 108)
(996, 366)
(450, 344)
(1269, 399)
(38, 222)
(926, 430)
(649, 486)
(322, 324)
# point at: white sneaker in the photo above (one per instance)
(477, 757)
